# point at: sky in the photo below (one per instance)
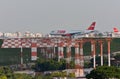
(46, 15)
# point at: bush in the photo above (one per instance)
(103, 72)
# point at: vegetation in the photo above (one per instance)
(63, 74)
(7, 73)
(22, 76)
(51, 64)
(104, 72)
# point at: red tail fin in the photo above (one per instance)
(92, 26)
(115, 29)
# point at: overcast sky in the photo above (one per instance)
(46, 15)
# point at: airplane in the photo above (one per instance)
(116, 31)
(90, 29)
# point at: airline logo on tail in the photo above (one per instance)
(115, 29)
(92, 26)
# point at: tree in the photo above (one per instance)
(3, 77)
(6, 72)
(50, 65)
(72, 64)
(104, 72)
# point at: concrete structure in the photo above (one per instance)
(46, 43)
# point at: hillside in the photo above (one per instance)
(12, 55)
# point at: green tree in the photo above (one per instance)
(4, 70)
(62, 64)
(104, 72)
(50, 65)
(72, 64)
(3, 77)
